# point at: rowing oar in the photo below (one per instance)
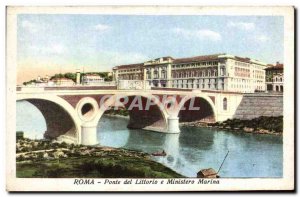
(223, 162)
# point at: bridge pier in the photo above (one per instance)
(89, 134)
(173, 125)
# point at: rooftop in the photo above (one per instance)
(278, 66)
(197, 58)
(61, 79)
(129, 66)
(91, 74)
(194, 59)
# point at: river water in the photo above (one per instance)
(250, 155)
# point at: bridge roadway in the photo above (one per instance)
(72, 114)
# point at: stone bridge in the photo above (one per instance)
(72, 114)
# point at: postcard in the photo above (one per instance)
(150, 98)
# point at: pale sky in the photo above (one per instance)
(49, 44)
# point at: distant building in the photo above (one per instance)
(41, 81)
(62, 81)
(109, 74)
(92, 79)
(210, 72)
(275, 78)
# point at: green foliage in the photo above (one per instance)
(20, 158)
(29, 82)
(20, 134)
(116, 164)
(66, 75)
(103, 75)
(57, 76)
(108, 78)
(122, 112)
(64, 145)
(72, 76)
(263, 122)
(100, 163)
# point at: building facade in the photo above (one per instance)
(275, 78)
(211, 72)
(128, 72)
(62, 81)
(92, 79)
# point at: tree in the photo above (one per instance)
(29, 82)
(70, 76)
(108, 78)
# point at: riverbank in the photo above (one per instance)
(260, 125)
(117, 115)
(46, 159)
(120, 112)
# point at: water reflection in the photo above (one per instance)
(194, 138)
(198, 148)
(171, 147)
(112, 133)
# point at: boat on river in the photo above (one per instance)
(161, 154)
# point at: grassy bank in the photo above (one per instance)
(89, 162)
(260, 125)
(120, 112)
(88, 167)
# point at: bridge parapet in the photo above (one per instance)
(133, 85)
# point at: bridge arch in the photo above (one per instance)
(196, 108)
(61, 119)
(154, 119)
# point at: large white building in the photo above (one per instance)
(210, 72)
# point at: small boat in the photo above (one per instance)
(210, 172)
(162, 154)
(207, 173)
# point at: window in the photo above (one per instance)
(148, 75)
(225, 104)
(155, 74)
(223, 71)
(163, 74)
(215, 72)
